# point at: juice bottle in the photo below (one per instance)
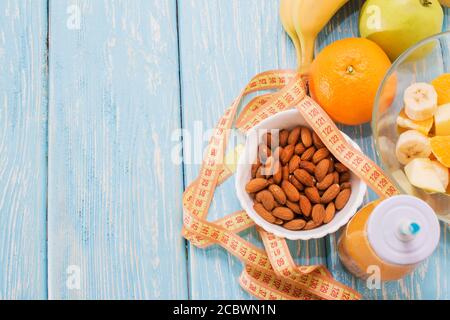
(394, 235)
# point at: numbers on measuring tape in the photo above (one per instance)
(320, 122)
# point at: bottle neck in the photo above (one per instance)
(408, 230)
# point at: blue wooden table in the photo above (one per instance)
(91, 96)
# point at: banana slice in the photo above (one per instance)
(412, 144)
(442, 172)
(421, 174)
(423, 126)
(420, 101)
(403, 181)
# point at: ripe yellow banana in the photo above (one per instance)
(308, 18)
(286, 7)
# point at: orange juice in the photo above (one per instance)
(394, 235)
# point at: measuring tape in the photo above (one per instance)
(271, 273)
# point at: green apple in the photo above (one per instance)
(396, 25)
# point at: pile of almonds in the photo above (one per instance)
(299, 185)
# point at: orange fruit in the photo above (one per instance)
(440, 145)
(442, 86)
(344, 80)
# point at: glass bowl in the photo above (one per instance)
(421, 63)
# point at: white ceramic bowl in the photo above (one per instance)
(288, 120)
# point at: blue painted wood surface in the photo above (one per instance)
(121, 78)
(114, 206)
(23, 149)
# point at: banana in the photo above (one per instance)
(441, 172)
(421, 101)
(286, 7)
(421, 174)
(310, 17)
(410, 145)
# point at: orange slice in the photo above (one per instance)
(442, 86)
(423, 126)
(440, 145)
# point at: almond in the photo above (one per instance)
(310, 225)
(293, 136)
(336, 177)
(264, 152)
(299, 149)
(306, 137)
(283, 213)
(344, 177)
(291, 192)
(294, 163)
(329, 213)
(296, 224)
(285, 173)
(321, 169)
(277, 204)
(308, 166)
(326, 182)
(267, 139)
(318, 214)
(255, 168)
(278, 175)
(296, 183)
(346, 185)
(274, 167)
(293, 206)
(305, 206)
(313, 194)
(316, 141)
(304, 177)
(301, 162)
(266, 215)
(308, 154)
(342, 199)
(266, 198)
(320, 154)
(340, 167)
(278, 221)
(330, 194)
(286, 154)
(259, 173)
(256, 185)
(269, 165)
(278, 193)
(331, 169)
(283, 137)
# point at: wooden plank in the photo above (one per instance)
(222, 45)
(430, 281)
(114, 214)
(23, 149)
